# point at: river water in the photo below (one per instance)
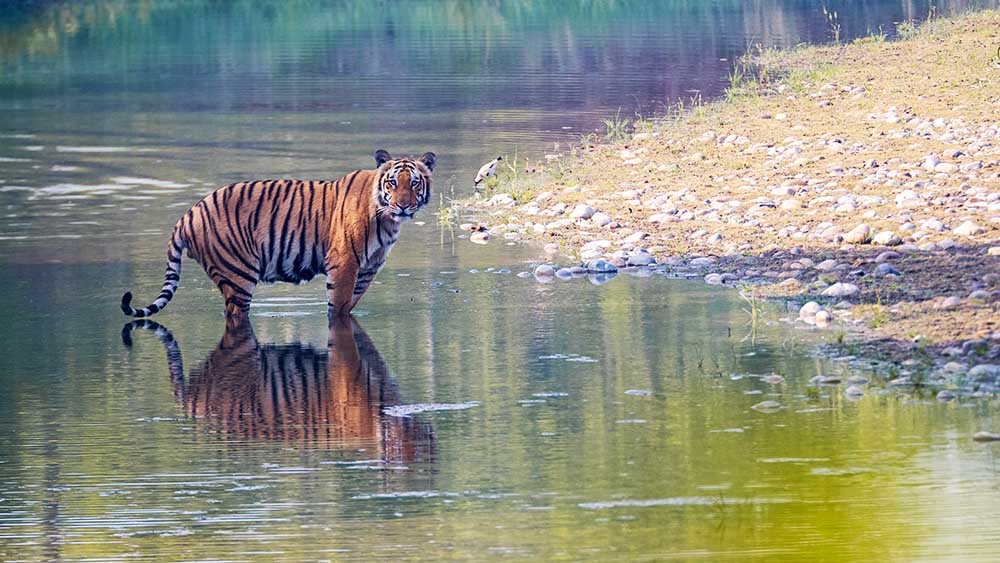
(466, 413)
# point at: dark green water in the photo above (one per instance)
(567, 420)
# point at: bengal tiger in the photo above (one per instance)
(294, 392)
(292, 230)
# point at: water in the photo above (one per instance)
(464, 415)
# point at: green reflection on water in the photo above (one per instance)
(99, 445)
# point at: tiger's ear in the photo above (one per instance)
(429, 159)
(381, 157)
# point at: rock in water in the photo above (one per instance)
(768, 406)
(600, 266)
(984, 436)
(544, 271)
(640, 258)
(808, 311)
(854, 392)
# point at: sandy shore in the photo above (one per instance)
(864, 178)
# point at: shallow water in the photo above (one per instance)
(466, 415)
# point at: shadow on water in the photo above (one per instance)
(324, 399)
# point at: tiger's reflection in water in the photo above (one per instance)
(330, 399)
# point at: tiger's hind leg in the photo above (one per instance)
(236, 295)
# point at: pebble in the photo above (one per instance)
(768, 406)
(857, 380)
(984, 436)
(826, 380)
(854, 392)
(886, 269)
(840, 290)
(858, 235)
(582, 211)
(773, 379)
(824, 318)
(502, 200)
(886, 256)
(944, 396)
(701, 261)
(968, 229)
(809, 310)
(640, 258)
(984, 372)
(544, 271)
(635, 237)
(600, 219)
(564, 273)
(601, 267)
(826, 265)
(887, 238)
(949, 303)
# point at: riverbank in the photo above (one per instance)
(864, 178)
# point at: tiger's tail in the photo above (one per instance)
(175, 250)
(175, 363)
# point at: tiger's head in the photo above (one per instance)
(402, 185)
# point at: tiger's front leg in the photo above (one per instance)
(340, 281)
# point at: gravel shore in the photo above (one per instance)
(861, 181)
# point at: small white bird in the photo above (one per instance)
(488, 169)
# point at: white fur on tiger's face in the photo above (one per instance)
(404, 185)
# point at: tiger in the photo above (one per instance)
(296, 393)
(268, 231)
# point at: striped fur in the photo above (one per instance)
(296, 393)
(293, 230)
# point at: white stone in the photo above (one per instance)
(887, 238)
(809, 310)
(968, 229)
(502, 200)
(544, 271)
(826, 265)
(841, 290)
(635, 237)
(601, 267)
(640, 258)
(985, 371)
(582, 211)
(479, 237)
(950, 303)
(702, 261)
(600, 219)
(858, 235)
